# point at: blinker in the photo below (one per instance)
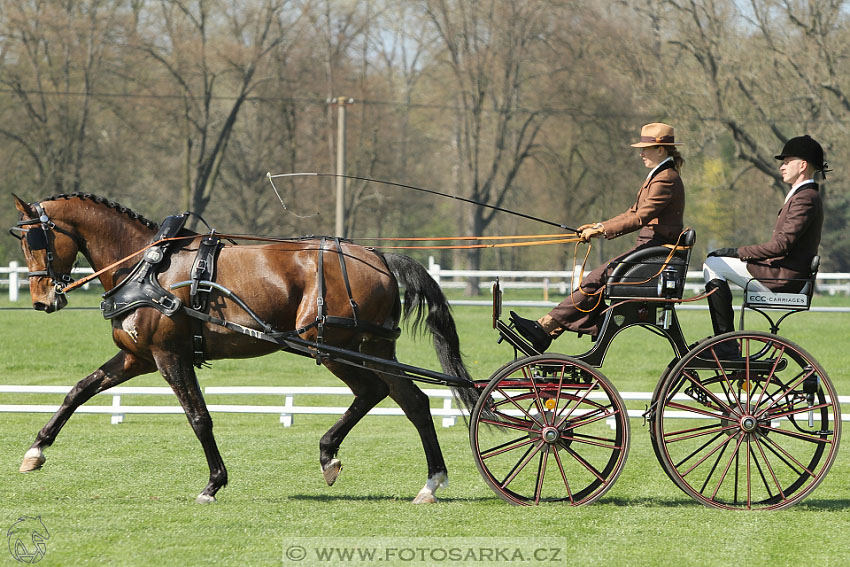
(37, 238)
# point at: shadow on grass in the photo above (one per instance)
(826, 504)
(642, 502)
(379, 498)
(620, 502)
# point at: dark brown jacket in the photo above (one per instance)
(658, 210)
(794, 243)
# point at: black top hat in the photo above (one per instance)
(804, 147)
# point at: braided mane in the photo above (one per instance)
(111, 204)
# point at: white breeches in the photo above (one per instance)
(730, 269)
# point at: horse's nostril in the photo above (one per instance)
(39, 306)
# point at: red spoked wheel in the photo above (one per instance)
(549, 428)
(756, 431)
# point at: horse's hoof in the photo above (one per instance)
(425, 497)
(205, 499)
(331, 471)
(33, 460)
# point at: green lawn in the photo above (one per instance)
(123, 494)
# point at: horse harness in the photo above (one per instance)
(142, 289)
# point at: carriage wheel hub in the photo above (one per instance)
(749, 423)
(550, 434)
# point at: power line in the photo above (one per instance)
(549, 110)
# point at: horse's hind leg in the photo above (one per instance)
(417, 407)
(368, 390)
(118, 369)
(180, 375)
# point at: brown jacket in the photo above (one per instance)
(658, 210)
(795, 241)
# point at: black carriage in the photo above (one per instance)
(755, 432)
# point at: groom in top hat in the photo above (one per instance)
(789, 253)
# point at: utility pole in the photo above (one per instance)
(341, 102)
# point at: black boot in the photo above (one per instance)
(722, 317)
(532, 332)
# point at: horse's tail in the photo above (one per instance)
(421, 289)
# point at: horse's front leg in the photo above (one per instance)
(180, 374)
(118, 369)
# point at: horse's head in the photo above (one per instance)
(50, 250)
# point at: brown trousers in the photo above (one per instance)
(581, 312)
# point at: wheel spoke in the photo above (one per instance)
(713, 468)
(720, 445)
(700, 431)
(798, 410)
(770, 375)
(594, 441)
(789, 389)
(505, 447)
(558, 392)
(727, 392)
(574, 454)
(676, 405)
(541, 472)
(507, 425)
(770, 470)
(788, 459)
(578, 402)
(533, 450)
(564, 476)
(519, 407)
(590, 418)
(530, 375)
(726, 470)
(696, 382)
(798, 435)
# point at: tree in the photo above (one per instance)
(53, 59)
(489, 47)
(212, 52)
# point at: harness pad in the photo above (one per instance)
(141, 288)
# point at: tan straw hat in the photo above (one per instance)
(656, 134)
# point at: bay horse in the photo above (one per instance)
(279, 281)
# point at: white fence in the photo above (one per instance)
(119, 410)
(560, 281)
(548, 281)
(15, 277)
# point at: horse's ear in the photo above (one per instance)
(24, 207)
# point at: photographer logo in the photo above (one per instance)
(28, 539)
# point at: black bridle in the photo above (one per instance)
(37, 234)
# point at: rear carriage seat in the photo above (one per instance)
(761, 301)
(800, 301)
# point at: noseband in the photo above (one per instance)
(37, 238)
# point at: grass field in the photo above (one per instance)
(124, 495)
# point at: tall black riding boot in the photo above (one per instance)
(722, 316)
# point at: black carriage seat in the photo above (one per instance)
(799, 301)
(652, 272)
